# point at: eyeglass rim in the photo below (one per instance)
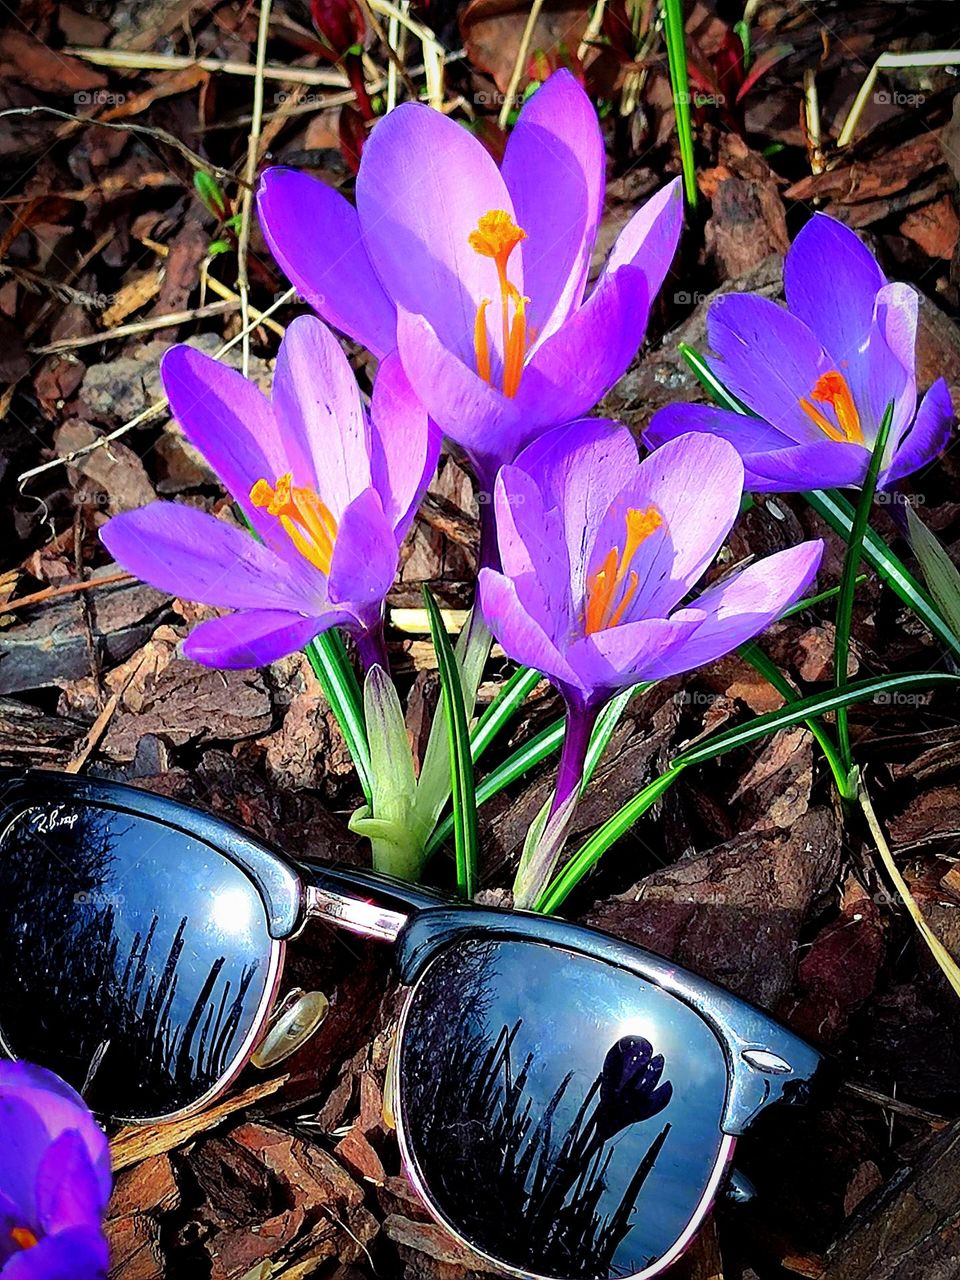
(679, 1246)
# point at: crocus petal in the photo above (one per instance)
(254, 637)
(831, 280)
(556, 146)
(522, 637)
(405, 445)
(317, 401)
(364, 562)
(78, 1254)
(769, 359)
(481, 419)
(314, 234)
(806, 466)
(742, 607)
(580, 469)
(423, 186)
(694, 464)
(25, 1139)
(61, 1108)
(68, 1192)
(746, 434)
(230, 421)
(578, 365)
(649, 240)
(617, 657)
(189, 553)
(927, 437)
(530, 537)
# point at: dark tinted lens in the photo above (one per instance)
(563, 1114)
(130, 944)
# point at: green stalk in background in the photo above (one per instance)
(680, 84)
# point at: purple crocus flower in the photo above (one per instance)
(478, 274)
(54, 1179)
(599, 553)
(820, 373)
(330, 490)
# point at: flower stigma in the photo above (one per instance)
(307, 521)
(23, 1238)
(496, 236)
(832, 389)
(603, 587)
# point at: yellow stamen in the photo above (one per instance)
(496, 236)
(24, 1238)
(832, 389)
(307, 522)
(602, 587)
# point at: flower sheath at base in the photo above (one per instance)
(54, 1180)
(329, 490)
(599, 553)
(477, 274)
(820, 373)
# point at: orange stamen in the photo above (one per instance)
(496, 236)
(307, 522)
(24, 1238)
(602, 587)
(480, 344)
(832, 389)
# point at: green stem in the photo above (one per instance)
(848, 584)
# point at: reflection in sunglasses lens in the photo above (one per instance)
(563, 1114)
(135, 957)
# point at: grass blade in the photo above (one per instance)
(510, 698)
(939, 571)
(848, 586)
(328, 658)
(816, 704)
(680, 84)
(463, 794)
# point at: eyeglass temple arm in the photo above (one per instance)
(363, 902)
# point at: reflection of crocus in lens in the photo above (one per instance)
(330, 491)
(599, 553)
(479, 273)
(820, 374)
(54, 1179)
(630, 1086)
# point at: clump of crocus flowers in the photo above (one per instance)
(469, 284)
(54, 1179)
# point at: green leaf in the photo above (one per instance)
(839, 514)
(612, 830)
(388, 822)
(216, 247)
(848, 586)
(940, 573)
(711, 748)
(680, 85)
(461, 761)
(508, 700)
(816, 704)
(208, 191)
(328, 658)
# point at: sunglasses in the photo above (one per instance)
(566, 1104)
